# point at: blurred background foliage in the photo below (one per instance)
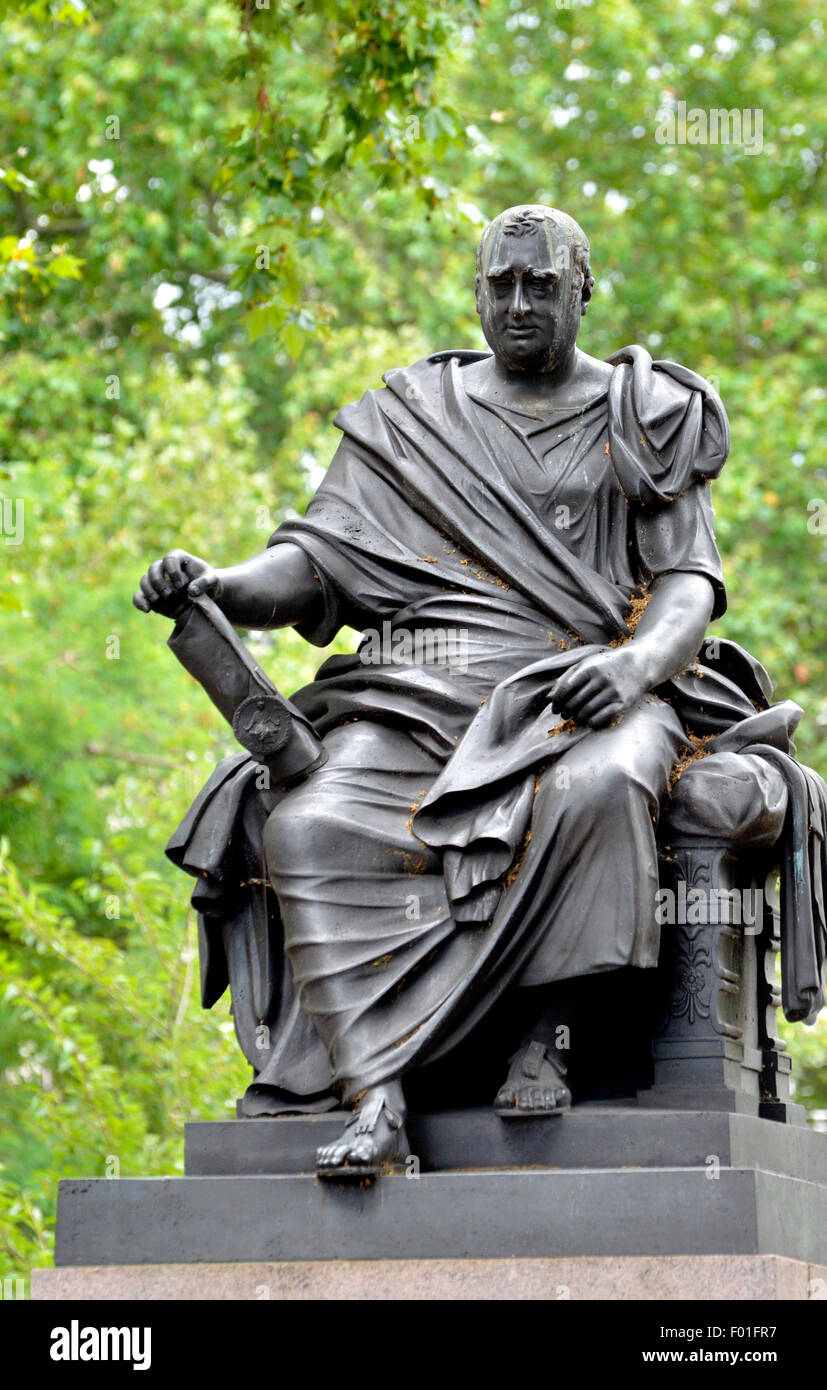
(217, 225)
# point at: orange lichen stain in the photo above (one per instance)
(568, 726)
(413, 863)
(608, 450)
(483, 574)
(695, 750)
(408, 1036)
(637, 607)
(428, 559)
(516, 866)
(383, 960)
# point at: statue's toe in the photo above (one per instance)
(330, 1155)
(363, 1151)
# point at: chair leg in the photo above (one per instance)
(706, 1052)
(776, 1103)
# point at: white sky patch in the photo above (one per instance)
(166, 294)
(471, 213)
(313, 470)
(482, 146)
(615, 201)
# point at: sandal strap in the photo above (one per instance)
(533, 1058)
(365, 1119)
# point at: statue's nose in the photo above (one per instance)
(519, 303)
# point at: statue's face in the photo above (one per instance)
(529, 299)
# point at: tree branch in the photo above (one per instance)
(122, 755)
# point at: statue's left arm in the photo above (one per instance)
(667, 638)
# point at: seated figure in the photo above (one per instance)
(525, 539)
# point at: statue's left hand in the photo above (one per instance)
(601, 687)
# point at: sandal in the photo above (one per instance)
(526, 1092)
(364, 1122)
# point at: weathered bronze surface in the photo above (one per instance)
(469, 824)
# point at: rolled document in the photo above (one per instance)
(263, 721)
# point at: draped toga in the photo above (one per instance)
(462, 837)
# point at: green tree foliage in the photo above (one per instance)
(216, 226)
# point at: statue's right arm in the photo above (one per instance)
(277, 588)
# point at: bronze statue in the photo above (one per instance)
(525, 539)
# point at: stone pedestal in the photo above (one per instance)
(600, 1182)
(664, 1278)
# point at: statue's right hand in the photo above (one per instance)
(169, 583)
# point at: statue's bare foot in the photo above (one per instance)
(373, 1140)
(534, 1085)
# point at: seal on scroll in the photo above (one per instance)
(261, 725)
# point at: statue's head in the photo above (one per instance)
(533, 286)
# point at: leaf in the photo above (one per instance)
(64, 267)
(267, 318)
